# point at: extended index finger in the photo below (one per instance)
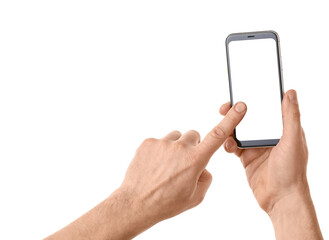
(216, 137)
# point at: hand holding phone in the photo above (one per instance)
(277, 176)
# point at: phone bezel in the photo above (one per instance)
(250, 36)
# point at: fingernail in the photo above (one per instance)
(229, 145)
(292, 97)
(240, 107)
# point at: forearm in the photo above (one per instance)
(117, 217)
(294, 217)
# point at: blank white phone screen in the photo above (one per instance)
(255, 81)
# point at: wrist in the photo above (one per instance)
(129, 214)
(294, 216)
(299, 197)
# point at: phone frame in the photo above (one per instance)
(250, 36)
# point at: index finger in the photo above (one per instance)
(216, 137)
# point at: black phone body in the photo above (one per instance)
(255, 77)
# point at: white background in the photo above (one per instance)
(255, 81)
(82, 83)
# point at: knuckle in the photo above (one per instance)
(176, 132)
(231, 120)
(195, 133)
(148, 141)
(180, 145)
(296, 115)
(218, 133)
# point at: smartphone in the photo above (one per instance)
(255, 77)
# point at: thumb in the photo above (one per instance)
(291, 115)
(203, 184)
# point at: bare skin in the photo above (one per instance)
(166, 177)
(277, 176)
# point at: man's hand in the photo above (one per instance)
(166, 177)
(277, 176)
